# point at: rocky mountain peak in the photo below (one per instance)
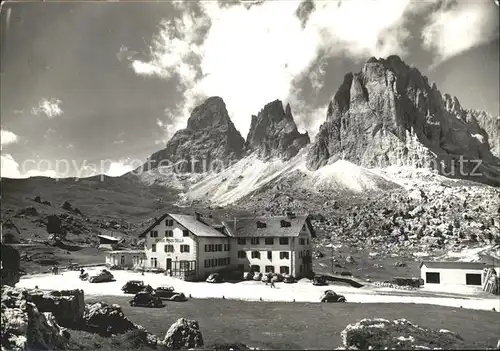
(210, 138)
(273, 133)
(388, 114)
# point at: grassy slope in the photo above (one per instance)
(300, 325)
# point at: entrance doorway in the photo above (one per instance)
(169, 263)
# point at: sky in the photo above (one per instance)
(96, 87)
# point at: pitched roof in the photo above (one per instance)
(198, 228)
(454, 265)
(107, 237)
(247, 227)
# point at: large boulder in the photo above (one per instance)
(67, 306)
(183, 334)
(10, 265)
(24, 327)
(106, 319)
(399, 334)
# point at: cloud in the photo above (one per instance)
(249, 58)
(458, 26)
(9, 167)
(119, 168)
(49, 107)
(7, 137)
(48, 133)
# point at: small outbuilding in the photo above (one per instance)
(126, 258)
(452, 275)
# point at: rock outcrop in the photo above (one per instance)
(273, 133)
(24, 327)
(183, 334)
(67, 306)
(10, 265)
(209, 140)
(388, 114)
(106, 319)
(400, 334)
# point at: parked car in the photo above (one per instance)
(145, 299)
(289, 279)
(73, 267)
(215, 278)
(277, 277)
(102, 277)
(248, 275)
(133, 287)
(257, 276)
(332, 296)
(168, 293)
(319, 280)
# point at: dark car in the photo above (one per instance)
(168, 293)
(133, 287)
(319, 280)
(215, 278)
(289, 279)
(145, 299)
(332, 296)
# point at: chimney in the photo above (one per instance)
(197, 216)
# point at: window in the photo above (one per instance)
(302, 241)
(269, 241)
(184, 248)
(184, 265)
(214, 262)
(432, 278)
(154, 233)
(285, 224)
(169, 222)
(300, 268)
(254, 241)
(210, 247)
(285, 270)
(220, 261)
(283, 241)
(261, 224)
(256, 254)
(300, 254)
(207, 263)
(153, 248)
(254, 268)
(284, 255)
(242, 254)
(307, 241)
(269, 269)
(169, 233)
(242, 241)
(228, 260)
(473, 279)
(185, 233)
(219, 247)
(206, 248)
(269, 255)
(154, 262)
(169, 248)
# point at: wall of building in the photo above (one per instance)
(176, 241)
(126, 259)
(450, 278)
(302, 252)
(204, 254)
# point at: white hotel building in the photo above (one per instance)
(193, 247)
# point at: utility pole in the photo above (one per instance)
(331, 247)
